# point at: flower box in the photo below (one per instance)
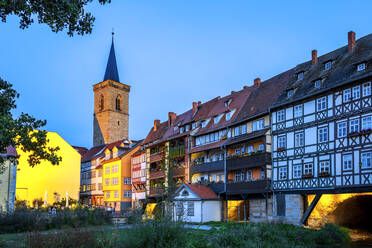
(307, 176)
(281, 149)
(324, 174)
(366, 131)
(353, 134)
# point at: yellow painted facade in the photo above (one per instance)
(46, 181)
(117, 186)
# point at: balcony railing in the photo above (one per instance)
(249, 187)
(157, 174)
(207, 167)
(249, 161)
(177, 172)
(156, 191)
(177, 151)
(156, 157)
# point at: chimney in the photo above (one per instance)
(257, 82)
(171, 118)
(156, 124)
(233, 92)
(314, 57)
(245, 87)
(194, 107)
(199, 103)
(351, 41)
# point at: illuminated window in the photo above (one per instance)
(107, 181)
(116, 194)
(107, 194)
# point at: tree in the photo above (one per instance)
(23, 131)
(57, 14)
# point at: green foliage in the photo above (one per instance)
(20, 132)
(27, 221)
(58, 15)
(69, 238)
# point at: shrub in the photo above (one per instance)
(70, 238)
(331, 234)
(24, 220)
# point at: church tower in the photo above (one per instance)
(111, 100)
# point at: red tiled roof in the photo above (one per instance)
(202, 191)
(263, 97)
(81, 150)
(207, 147)
(92, 153)
(97, 151)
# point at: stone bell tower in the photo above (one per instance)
(111, 105)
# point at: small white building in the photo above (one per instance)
(196, 203)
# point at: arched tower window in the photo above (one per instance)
(118, 103)
(101, 103)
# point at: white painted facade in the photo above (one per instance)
(189, 207)
(324, 143)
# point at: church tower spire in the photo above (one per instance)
(111, 68)
(111, 105)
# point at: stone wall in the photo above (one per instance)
(257, 209)
(110, 124)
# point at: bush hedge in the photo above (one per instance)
(27, 221)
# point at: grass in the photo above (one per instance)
(156, 234)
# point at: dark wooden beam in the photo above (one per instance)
(310, 208)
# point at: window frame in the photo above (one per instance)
(320, 102)
(350, 159)
(321, 134)
(297, 109)
(369, 160)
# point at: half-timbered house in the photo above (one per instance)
(321, 126)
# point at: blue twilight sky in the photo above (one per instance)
(171, 53)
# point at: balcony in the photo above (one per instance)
(178, 172)
(157, 174)
(207, 167)
(156, 192)
(250, 161)
(176, 152)
(156, 157)
(249, 187)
